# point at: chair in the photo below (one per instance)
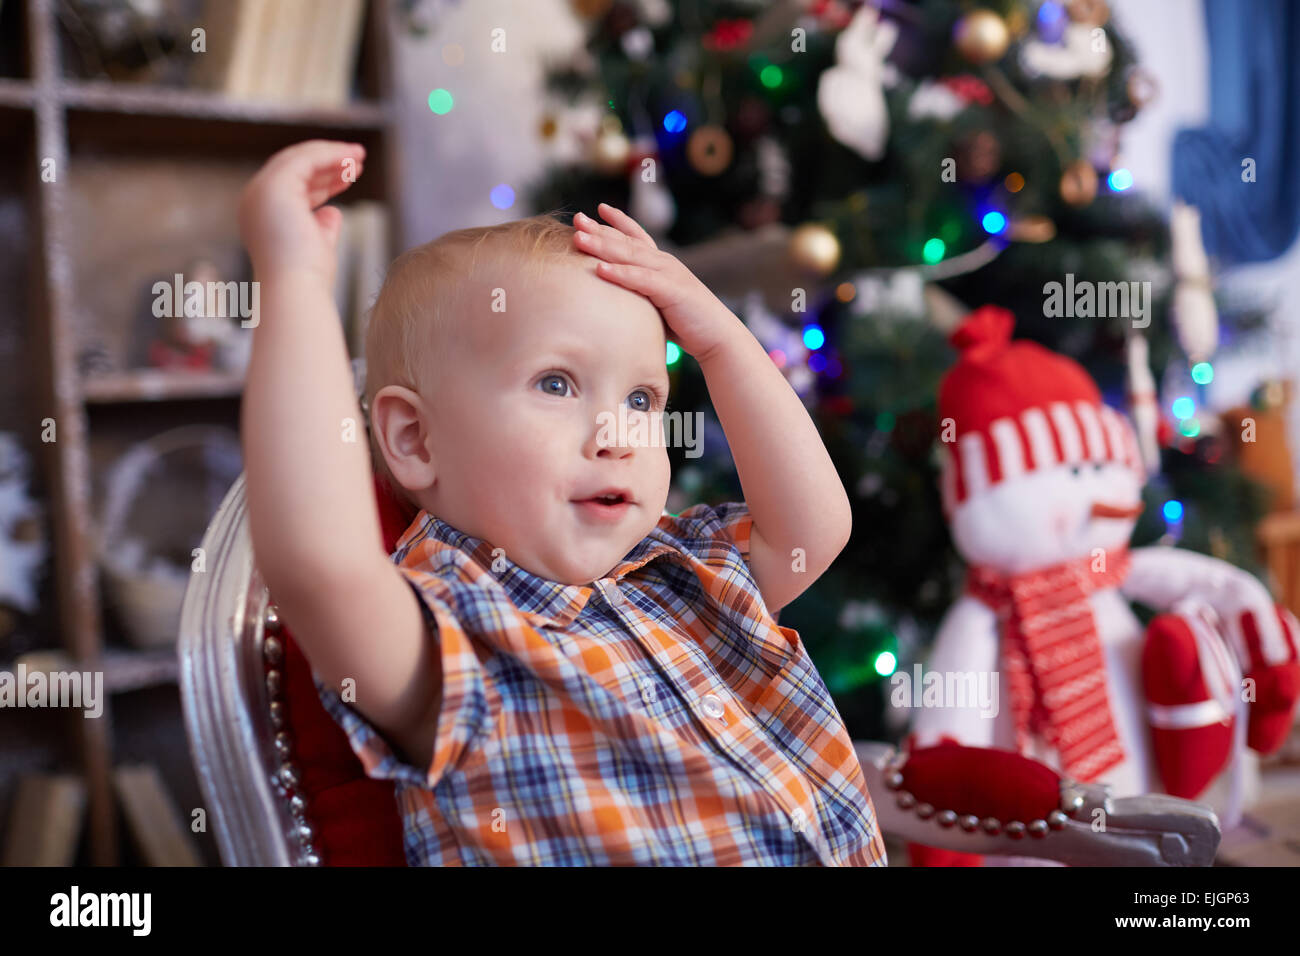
(285, 789)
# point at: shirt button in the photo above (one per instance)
(712, 706)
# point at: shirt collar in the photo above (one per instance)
(542, 601)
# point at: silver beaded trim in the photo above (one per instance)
(286, 779)
(1014, 829)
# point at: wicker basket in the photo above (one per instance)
(160, 496)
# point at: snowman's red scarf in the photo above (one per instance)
(1053, 657)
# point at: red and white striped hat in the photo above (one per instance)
(1006, 408)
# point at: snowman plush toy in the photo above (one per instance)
(1041, 485)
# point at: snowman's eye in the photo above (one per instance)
(1097, 468)
(1074, 470)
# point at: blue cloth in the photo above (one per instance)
(1254, 113)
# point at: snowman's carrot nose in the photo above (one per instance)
(1103, 510)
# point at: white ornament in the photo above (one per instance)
(651, 204)
(851, 94)
(1195, 315)
(638, 43)
(576, 128)
(773, 168)
(900, 292)
(1142, 398)
(934, 100)
(1081, 53)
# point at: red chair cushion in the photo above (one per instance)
(985, 781)
(355, 817)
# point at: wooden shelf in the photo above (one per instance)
(127, 669)
(169, 102)
(86, 248)
(20, 94)
(154, 385)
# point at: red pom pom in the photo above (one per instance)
(984, 332)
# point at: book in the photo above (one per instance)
(282, 51)
(286, 51)
(344, 42)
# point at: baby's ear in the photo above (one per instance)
(399, 419)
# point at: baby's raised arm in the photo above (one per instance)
(312, 511)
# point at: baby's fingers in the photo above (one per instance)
(323, 167)
(624, 223)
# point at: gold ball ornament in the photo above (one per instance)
(1079, 183)
(981, 36)
(610, 152)
(815, 249)
(709, 150)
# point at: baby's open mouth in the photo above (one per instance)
(606, 505)
(608, 496)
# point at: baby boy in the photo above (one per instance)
(551, 669)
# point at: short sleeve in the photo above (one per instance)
(702, 530)
(463, 711)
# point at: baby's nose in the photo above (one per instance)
(615, 436)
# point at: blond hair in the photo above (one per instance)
(414, 318)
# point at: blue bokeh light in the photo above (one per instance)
(503, 197)
(675, 121)
(994, 222)
(1173, 511)
(813, 337)
(1184, 407)
(1120, 180)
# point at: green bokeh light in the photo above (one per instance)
(934, 250)
(440, 101)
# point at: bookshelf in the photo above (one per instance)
(143, 175)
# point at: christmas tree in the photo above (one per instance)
(851, 179)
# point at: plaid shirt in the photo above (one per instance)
(657, 716)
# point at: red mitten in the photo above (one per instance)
(1191, 728)
(1277, 683)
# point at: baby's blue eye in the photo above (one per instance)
(648, 400)
(545, 385)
